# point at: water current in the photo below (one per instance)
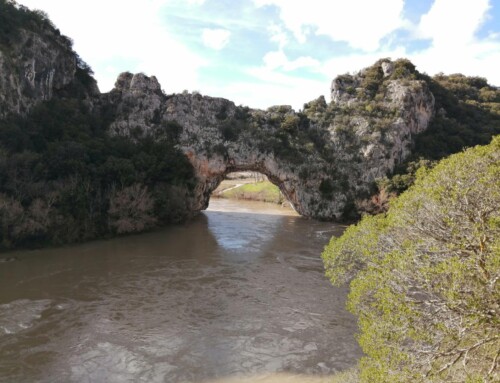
(238, 292)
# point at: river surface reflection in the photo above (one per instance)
(231, 293)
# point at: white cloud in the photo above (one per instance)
(474, 59)
(451, 22)
(268, 88)
(278, 35)
(273, 84)
(114, 35)
(215, 38)
(451, 26)
(277, 59)
(360, 23)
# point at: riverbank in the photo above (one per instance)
(226, 205)
(251, 187)
(349, 376)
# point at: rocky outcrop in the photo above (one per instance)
(387, 68)
(139, 102)
(380, 125)
(321, 161)
(35, 67)
(220, 138)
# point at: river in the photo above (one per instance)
(239, 291)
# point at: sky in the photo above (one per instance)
(261, 53)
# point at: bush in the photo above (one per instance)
(424, 277)
(290, 123)
(131, 209)
(326, 187)
(403, 68)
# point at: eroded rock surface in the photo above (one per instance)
(35, 68)
(322, 158)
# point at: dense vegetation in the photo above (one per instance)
(424, 277)
(15, 17)
(63, 178)
(467, 114)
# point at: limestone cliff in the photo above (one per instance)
(379, 112)
(35, 61)
(321, 159)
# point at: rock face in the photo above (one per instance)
(387, 68)
(139, 102)
(381, 125)
(322, 159)
(35, 68)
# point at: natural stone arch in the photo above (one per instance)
(243, 141)
(323, 158)
(213, 181)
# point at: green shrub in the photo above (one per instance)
(403, 68)
(423, 278)
(290, 123)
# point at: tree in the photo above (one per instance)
(131, 209)
(425, 277)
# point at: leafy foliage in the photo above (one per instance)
(424, 277)
(131, 209)
(60, 161)
(14, 17)
(468, 114)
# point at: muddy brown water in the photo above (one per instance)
(237, 292)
